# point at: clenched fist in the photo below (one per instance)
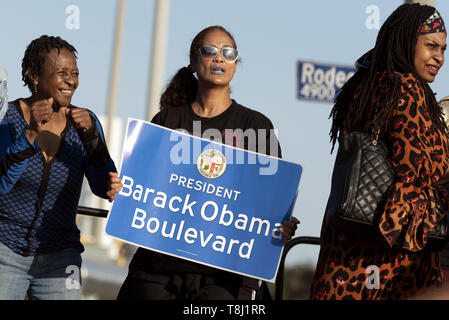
(40, 114)
(80, 117)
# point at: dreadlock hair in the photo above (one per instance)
(394, 52)
(183, 87)
(36, 53)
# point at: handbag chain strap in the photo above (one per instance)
(375, 134)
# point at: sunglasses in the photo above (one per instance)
(230, 55)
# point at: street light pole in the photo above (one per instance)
(157, 57)
(115, 66)
(99, 233)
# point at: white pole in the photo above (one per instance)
(115, 66)
(100, 234)
(160, 29)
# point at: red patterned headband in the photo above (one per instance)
(433, 24)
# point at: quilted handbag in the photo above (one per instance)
(362, 174)
(361, 177)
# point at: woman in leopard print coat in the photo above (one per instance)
(394, 262)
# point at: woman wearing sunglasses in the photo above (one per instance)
(188, 103)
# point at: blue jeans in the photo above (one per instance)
(54, 276)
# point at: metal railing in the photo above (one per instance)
(279, 284)
(93, 212)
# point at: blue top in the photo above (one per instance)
(39, 199)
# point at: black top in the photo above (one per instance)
(234, 118)
(148, 264)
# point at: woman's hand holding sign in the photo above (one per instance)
(288, 228)
(115, 185)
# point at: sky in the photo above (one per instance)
(272, 36)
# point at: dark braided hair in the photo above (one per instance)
(394, 52)
(182, 88)
(36, 53)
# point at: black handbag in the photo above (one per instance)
(362, 174)
(361, 178)
(439, 236)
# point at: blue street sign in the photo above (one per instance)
(320, 82)
(203, 201)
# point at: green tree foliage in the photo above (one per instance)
(297, 282)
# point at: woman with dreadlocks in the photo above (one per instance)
(390, 90)
(47, 146)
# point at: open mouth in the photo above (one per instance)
(432, 69)
(218, 70)
(66, 92)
